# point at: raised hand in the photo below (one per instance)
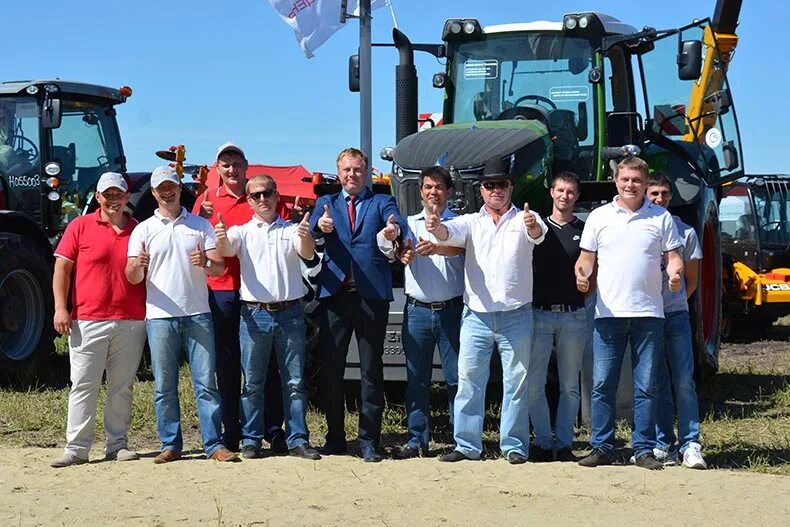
(425, 247)
(432, 221)
(142, 259)
(207, 207)
(220, 230)
(529, 218)
(390, 231)
(196, 257)
(675, 281)
(303, 230)
(582, 278)
(325, 222)
(406, 254)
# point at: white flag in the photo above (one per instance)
(314, 21)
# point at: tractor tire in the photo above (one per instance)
(26, 306)
(705, 305)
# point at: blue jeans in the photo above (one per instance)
(567, 332)
(679, 367)
(511, 333)
(260, 331)
(167, 337)
(423, 330)
(610, 338)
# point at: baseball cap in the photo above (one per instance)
(162, 174)
(111, 180)
(230, 147)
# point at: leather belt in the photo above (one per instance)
(558, 308)
(434, 306)
(274, 307)
(350, 287)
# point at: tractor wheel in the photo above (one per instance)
(705, 305)
(26, 305)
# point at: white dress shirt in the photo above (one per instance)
(498, 261)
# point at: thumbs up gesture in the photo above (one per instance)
(303, 230)
(390, 231)
(529, 218)
(432, 221)
(407, 252)
(582, 278)
(425, 247)
(675, 282)
(220, 229)
(142, 259)
(207, 207)
(196, 257)
(325, 222)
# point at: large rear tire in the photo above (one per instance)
(705, 304)
(26, 305)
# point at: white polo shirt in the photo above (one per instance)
(270, 265)
(174, 287)
(630, 249)
(677, 301)
(498, 260)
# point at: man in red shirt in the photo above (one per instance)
(106, 325)
(229, 201)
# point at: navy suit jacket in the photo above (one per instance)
(359, 251)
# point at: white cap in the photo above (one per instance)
(162, 174)
(111, 180)
(230, 147)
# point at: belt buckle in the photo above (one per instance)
(557, 308)
(437, 306)
(274, 307)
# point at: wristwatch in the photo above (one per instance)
(207, 264)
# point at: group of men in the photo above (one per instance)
(224, 285)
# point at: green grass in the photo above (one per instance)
(745, 409)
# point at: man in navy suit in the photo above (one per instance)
(355, 289)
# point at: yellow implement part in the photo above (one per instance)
(767, 288)
(710, 81)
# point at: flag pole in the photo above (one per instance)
(365, 76)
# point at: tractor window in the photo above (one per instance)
(735, 216)
(772, 208)
(20, 184)
(86, 145)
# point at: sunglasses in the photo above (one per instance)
(491, 185)
(268, 193)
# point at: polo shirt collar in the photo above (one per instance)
(646, 204)
(99, 219)
(260, 223)
(182, 215)
(222, 191)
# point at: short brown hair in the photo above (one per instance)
(568, 177)
(659, 179)
(634, 163)
(352, 152)
(264, 179)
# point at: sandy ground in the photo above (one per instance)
(346, 491)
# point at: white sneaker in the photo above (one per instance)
(123, 454)
(67, 459)
(669, 459)
(692, 457)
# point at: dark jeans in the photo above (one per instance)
(341, 315)
(225, 307)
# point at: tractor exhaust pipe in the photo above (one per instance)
(405, 88)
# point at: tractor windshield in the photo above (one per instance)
(527, 75)
(772, 211)
(20, 144)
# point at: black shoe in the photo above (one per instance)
(250, 452)
(649, 462)
(595, 459)
(370, 455)
(515, 458)
(566, 454)
(453, 456)
(331, 449)
(408, 453)
(306, 452)
(540, 455)
(278, 445)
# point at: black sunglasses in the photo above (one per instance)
(268, 193)
(491, 185)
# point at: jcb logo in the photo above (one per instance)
(777, 287)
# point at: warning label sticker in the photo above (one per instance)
(569, 93)
(481, 69)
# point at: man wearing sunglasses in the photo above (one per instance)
(499, 242)
(229, 200)
(355, 289)
(272, 317)
(106, 325)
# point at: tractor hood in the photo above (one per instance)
(468, 146)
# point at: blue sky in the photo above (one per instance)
(205, 72)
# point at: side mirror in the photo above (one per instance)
(387, 153)
(353, 73)
(51, 114)
(730, 156)
(689, 60)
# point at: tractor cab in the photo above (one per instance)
(56, 139)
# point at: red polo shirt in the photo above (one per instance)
(235, 211)
(100, 290)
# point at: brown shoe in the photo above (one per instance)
(224, 455)
(166, 456)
